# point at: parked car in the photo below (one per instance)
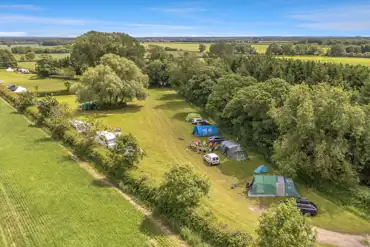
(196, 121)
(212, 159)
(204, 122)
(12, 87)
(306, 207)
(216, 139)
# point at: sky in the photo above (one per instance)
(145, 18)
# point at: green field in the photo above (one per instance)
(47, 199)
(29, 81)
(344, 60)
(186, 46)
(195, 46)
(159, 122)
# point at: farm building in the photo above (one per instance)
(205, 130)
(233, 151)
(191, 116)
(269, 186)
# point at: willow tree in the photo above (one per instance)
(114, 80)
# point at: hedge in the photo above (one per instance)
(204, 223)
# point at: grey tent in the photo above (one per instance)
(233, 151)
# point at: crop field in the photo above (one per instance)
(47, 199)
(159, 125)
(30, 81)
(343, 60)
(186, 46)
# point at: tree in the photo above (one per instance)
(337, 50)
(158, 73)
(224, 90)
(156, 52)
(288, 49)
(181, 189)
(282, 225)
(30, 55)
(7, 59)
(317, 127)
(125, 155)
(68, 85)
(115, 79)
(247, 113)
(47, 108)
(221, 49)
(202, 48)
(365, 92)
(46, 66)
(91, 46)
(26, 99)
(274, 49)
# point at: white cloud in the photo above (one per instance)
(13, 34)
(20, 6)
(339, 18)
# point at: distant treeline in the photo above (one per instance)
(56, 42)
(336, 50)
(37, 50)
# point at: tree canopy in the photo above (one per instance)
(282, 225)
(319, 126)
(91, 46)
(7, 59)
(115, 79)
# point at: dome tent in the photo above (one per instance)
(233, 151)
(261, 169)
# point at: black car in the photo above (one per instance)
(216, 139)
(306, 207)
(204, 122)
(12, 87)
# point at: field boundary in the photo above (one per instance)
(97, 175)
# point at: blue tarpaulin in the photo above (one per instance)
(261, 169)
(205, 130)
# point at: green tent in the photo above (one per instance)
(192, 115)
(264, 186)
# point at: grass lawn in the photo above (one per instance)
(344, 60)
(27, 65)
(49, 200)
(29, 81)
(159, 121)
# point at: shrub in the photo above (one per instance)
(25, 99)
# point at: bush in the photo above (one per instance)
(25, 99)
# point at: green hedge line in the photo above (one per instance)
(54, 93)
(203, 223)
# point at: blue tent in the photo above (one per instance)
(205, 130)
(261, 169)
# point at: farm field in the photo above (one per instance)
(159, 122)
(187, 46)
(344, 60)
(30, 81)
(49, 200)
